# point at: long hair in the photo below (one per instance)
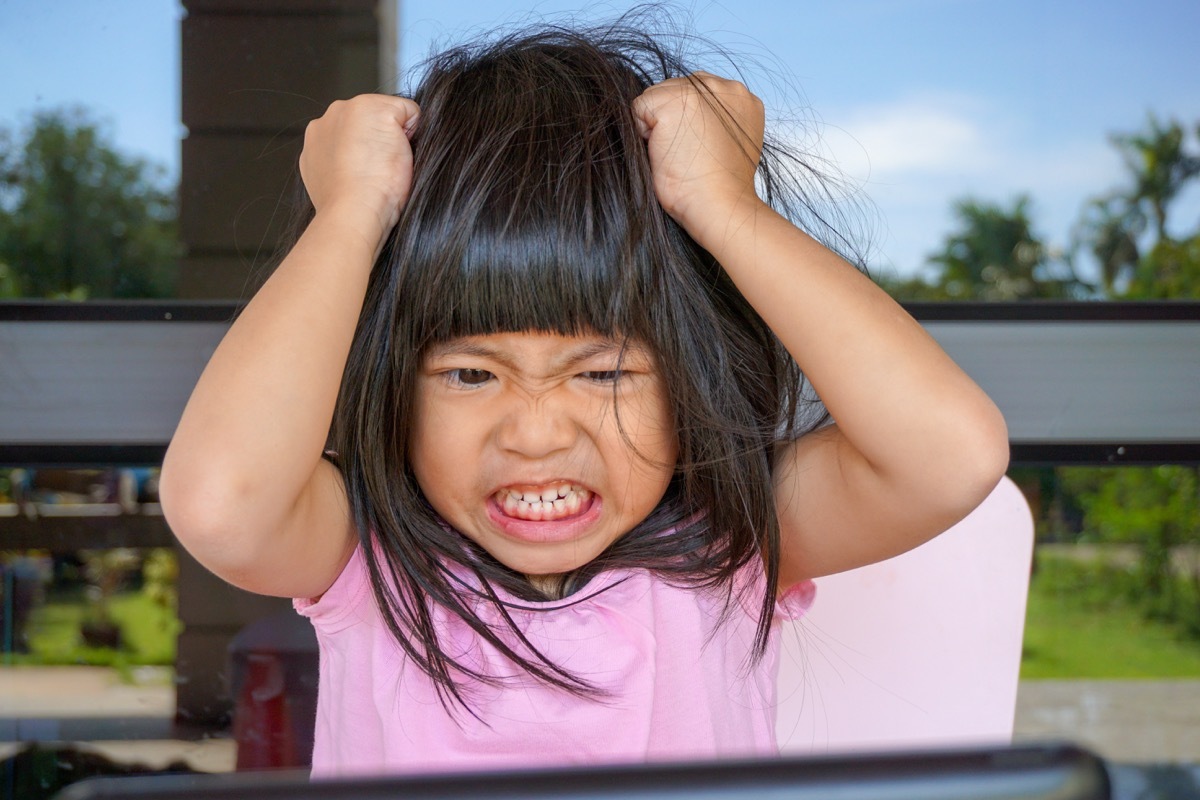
(529, 171)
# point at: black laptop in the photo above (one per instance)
(1028, 772)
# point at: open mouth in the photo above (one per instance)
(544, 503)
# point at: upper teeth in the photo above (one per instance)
(563, 498)
(548, 495)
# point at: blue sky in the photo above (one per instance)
(919, 102)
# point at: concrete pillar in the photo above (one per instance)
(253, 72)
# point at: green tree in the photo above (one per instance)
(9, 288)
(994, 254)
(78, 218)
(1161, 165)
(1128, 230)
(1110, 229)
(1170, 271)
(1156, 508)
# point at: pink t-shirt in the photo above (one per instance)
(679, 685)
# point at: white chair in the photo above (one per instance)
(919, 651)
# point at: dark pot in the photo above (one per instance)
(101, 634)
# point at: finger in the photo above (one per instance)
(642, 128)
(410, 124)
(646, 104)
(403, 109)
(407, 109)
(643, 113)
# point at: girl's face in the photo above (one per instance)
(542, 449)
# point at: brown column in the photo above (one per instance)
(253, 72)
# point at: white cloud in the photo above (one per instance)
(924, 135)
(916, 155)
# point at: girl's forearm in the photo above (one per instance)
(904, 405)
(252, 433)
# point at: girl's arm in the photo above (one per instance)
(916, 444)
(243, 485)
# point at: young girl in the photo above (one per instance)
(553, 315)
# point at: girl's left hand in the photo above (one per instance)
(704, 136)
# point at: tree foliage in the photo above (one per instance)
(1155, 508)
(1160, 164)
(994, 254)
(78, 218)
(1128, 229)
(1170, 271)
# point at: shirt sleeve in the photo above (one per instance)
(796, 600)
(343, 603)
(751, 582)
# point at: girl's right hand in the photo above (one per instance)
(357, 158)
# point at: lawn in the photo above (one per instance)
(1073, 634)
(148, 630)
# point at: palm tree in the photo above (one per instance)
(995, 255)
(1160, 166)
(1126, 229)
(1110, 228)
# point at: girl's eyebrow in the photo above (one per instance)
(570, 359)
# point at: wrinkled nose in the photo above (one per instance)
(536, 428)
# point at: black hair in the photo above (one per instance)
(529, 170)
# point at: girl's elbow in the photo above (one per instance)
(194, 520)
(202, 515)
(985, 455)
(188, 512)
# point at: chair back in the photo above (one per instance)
(921, 650)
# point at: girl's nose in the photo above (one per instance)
(535, 428)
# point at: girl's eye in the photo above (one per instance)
(604, 376)
(468, 377)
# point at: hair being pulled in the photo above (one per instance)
(532, 209)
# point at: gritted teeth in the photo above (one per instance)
(551, 502)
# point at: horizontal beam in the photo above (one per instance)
(105, 383)
(69, 534)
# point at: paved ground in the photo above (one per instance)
(124, 721)
(1132, 721)
(1125, 721)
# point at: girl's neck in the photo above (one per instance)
(549, 585)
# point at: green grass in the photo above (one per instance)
(148, 632)
(1075, 631)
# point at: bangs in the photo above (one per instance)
(494, 276)
(531, 197)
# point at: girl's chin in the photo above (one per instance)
(542, 562)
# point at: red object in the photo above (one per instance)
(274, 680)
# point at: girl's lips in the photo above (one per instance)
(576, 512)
